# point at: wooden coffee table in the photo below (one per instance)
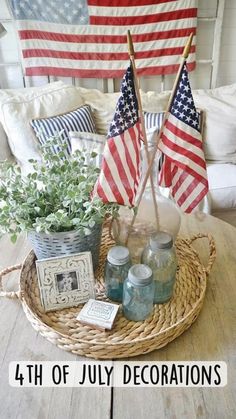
(211, 337)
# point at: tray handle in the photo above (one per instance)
(9, 294)
(212, 248)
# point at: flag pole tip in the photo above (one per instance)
(130, 44)
(188, 46)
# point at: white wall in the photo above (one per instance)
(11, 75)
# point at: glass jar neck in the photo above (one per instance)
(144, 166)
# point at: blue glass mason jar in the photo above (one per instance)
(160, 256)
(138, 293)
(116, 270)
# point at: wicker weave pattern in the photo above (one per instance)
(127, 338)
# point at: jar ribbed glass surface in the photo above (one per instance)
(138, 293)
(160, 256)
(116, 270)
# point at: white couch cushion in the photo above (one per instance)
(19, 107)
(222, 185)
(5, 151)
(220, 122)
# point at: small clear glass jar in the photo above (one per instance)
(160, 256)
(138, 293)
(116, 270)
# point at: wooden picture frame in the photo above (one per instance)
(65, 281)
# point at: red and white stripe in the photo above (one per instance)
(184, 166)
(119, 176)
(159, 31)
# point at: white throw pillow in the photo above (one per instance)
(219, 135)
(19, 107)
(104, 104)
(87, 143)
(155, 101)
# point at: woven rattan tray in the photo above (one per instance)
(127, 338)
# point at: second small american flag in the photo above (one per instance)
(184, 166)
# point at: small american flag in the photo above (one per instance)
(119, 176)
(184, 166)
(88, 38)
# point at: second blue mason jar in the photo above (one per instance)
(160, 256)
(138, 293)
(116, 270)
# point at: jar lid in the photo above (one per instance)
(118, 255)
(161, 240)
(140, 275)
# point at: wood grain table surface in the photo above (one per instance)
(211, 337)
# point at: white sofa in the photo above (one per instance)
(18, 141)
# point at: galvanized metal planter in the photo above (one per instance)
(65, 243)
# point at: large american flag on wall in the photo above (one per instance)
(184, 166)
(88, 38)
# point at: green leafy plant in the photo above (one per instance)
(54, 197)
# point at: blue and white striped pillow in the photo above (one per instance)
(152, 120)
(80, 119)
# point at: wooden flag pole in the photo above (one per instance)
(132, 59)
(184, 56)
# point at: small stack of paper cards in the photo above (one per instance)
(99, 314)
